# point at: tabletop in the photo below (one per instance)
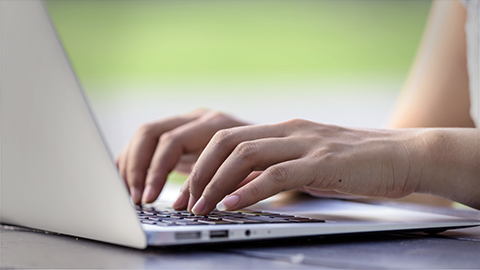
(454, 249)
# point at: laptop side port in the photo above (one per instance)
(187, 235)
(219, 234)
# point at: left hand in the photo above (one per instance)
(252, 163)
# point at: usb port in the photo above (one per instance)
(219, 234)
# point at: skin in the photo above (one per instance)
(242, 164)
(159, 147)
(436, 95)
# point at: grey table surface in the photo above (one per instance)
(454, 249)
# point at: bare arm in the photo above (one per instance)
(436, 93)
(388, 163)
(249, 163)
(441, 161)
(450, 164)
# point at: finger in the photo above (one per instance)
(189, 138)
(122, 164)
(249, 178)
(182, 200)
(247, 157)
(219, 148)
(142, 147)
(186, 163)
(280, 177)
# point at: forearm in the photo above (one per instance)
(436, 93)
(449, 161)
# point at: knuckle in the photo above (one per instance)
(214, 188)
(146, 130)
(215, 114)
(329, 158)
(278, 175)
(246, 150)
(193, 179)
(296, 122)
(168, 137)
(221, 119)
(222, 137)
(324, 155)
(254, 191)
(199, 111)
(194, 184)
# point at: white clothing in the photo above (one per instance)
(472, 27)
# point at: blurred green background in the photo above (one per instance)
(262, 60)
(173, 41)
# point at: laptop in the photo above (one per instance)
(58, 175)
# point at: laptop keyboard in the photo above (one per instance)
(169, 217)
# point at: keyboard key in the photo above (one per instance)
(164, 224)
(169, 217)
(152, 222)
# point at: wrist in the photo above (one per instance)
(448, 159)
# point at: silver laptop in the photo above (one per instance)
(58, 175)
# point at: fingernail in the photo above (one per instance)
(148, 195)
(135, 193)
(228, 203)
(191, 203)
(199, 206)
(179, 202)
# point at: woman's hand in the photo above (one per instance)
(159, 147)
(255, 162)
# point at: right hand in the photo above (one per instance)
(159, 147)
